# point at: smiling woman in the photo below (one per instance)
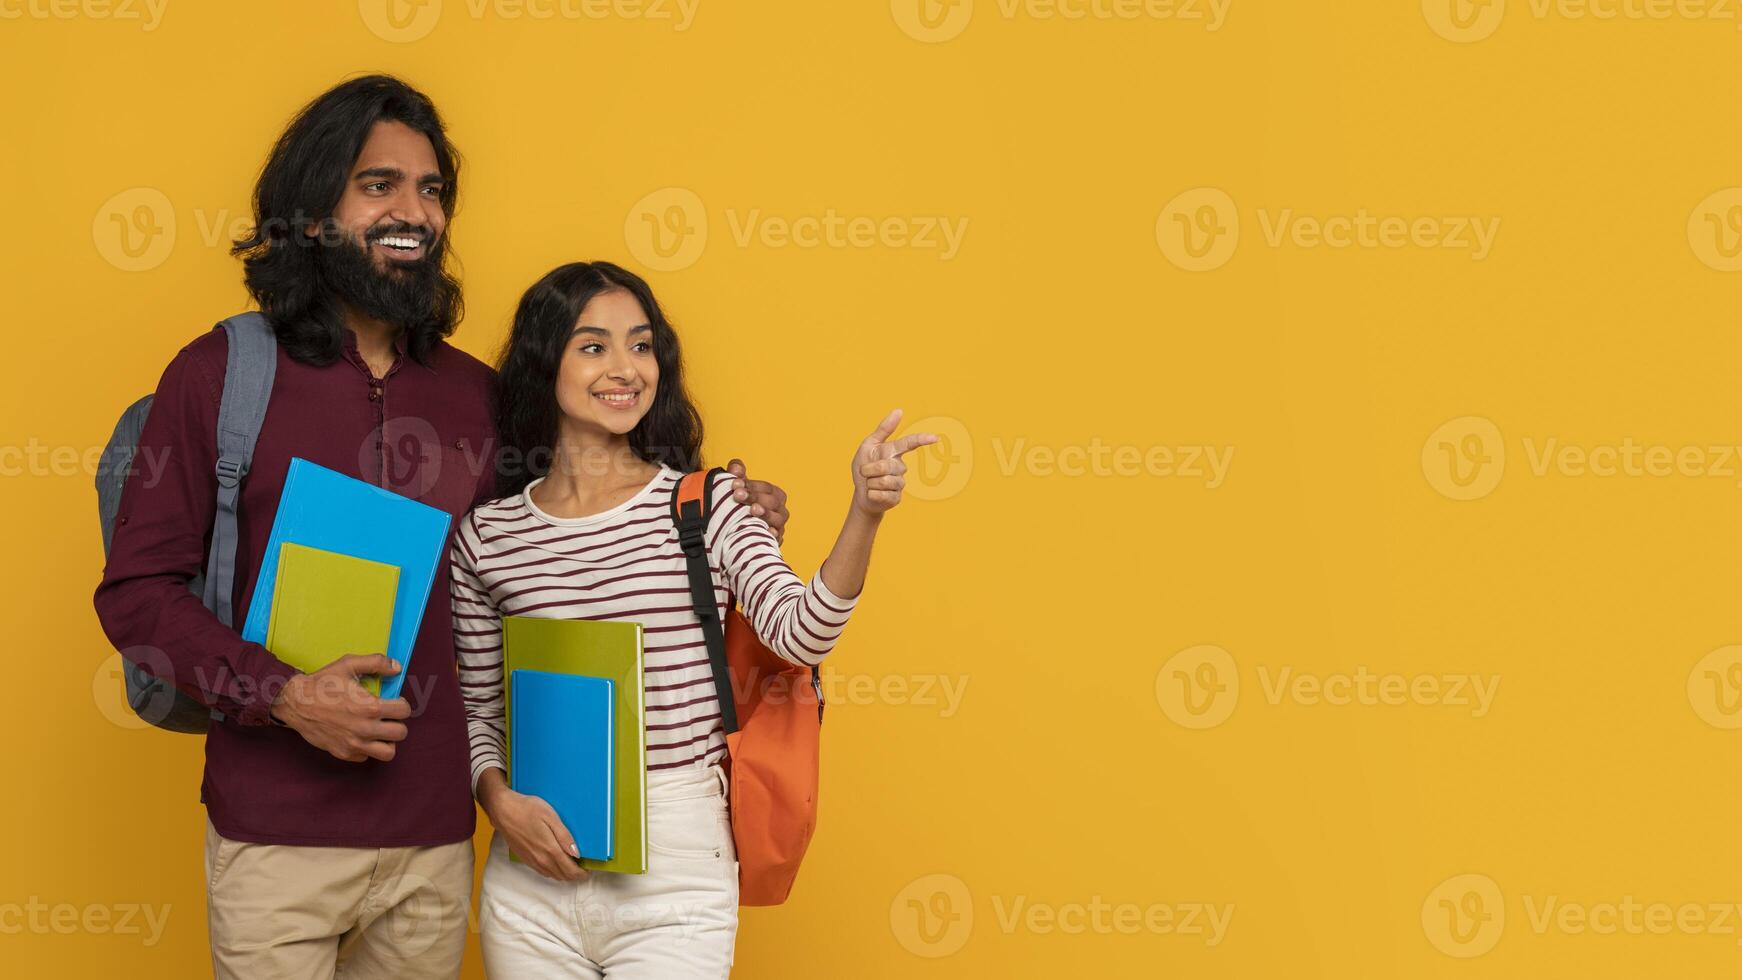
(591, 396)
(649, 403)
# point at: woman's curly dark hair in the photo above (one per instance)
(528, 417)
(301, 185)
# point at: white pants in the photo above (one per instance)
(678, 920)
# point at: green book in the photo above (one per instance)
(612, 651)
(326, 605)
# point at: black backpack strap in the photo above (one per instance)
(248, 374)
(690, 507)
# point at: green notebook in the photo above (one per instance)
(612, 651)
(326, 605)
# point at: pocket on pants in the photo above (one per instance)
(697, 829)
(220, 854)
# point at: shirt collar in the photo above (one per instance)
(351, 341)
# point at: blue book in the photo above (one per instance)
(559, 750)
(323, 509)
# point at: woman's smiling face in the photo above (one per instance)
(609, 375)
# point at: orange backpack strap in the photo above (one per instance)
(689, 509)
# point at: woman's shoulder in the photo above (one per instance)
(494, 516)
(721, 507)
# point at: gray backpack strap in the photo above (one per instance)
(248, 374)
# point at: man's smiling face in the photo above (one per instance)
(392, 205)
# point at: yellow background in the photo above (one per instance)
(1333, 544)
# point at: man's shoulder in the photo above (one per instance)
(209, 350)
(201, 362)
(208, 346)
(447, 358)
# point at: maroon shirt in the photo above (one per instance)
(423, 431)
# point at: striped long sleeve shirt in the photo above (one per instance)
(512, 559)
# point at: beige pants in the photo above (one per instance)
(279, 912)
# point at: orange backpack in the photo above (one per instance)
(772, 711)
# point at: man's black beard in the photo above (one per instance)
(409, 295)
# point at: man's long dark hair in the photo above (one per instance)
(302, 183)
(528, 417)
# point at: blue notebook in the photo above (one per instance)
(559, 749)
(324, 509)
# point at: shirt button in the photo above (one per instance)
(374, 395)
